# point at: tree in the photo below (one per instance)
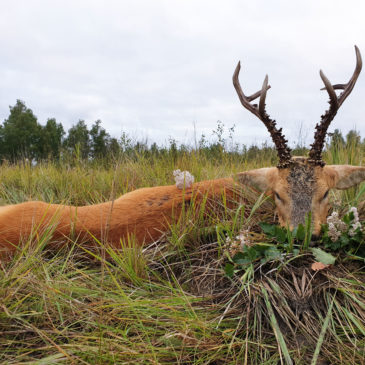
(78, 138)
(114, 148)
(20, 135)
(51, 139)
(100, 140)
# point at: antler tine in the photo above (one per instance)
(337, 87)
(245, 100)
(350, 85)
(315, 153)
(330, 90)
(276, 134)
(263, 93)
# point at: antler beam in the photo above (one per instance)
(259, 110)
(315, 154)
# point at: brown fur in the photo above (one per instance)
(301, 188)
(145, 213)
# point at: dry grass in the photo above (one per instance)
(171, 302)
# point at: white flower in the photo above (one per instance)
(356, 225)
(237, 244)
(356, 214)
(353, 228)
(183, 178)
(243, 237)
(333, 218)
(333, 233)
(342, 226)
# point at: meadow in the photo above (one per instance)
(172, 302)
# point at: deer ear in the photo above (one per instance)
(260, 179)
(347, 175)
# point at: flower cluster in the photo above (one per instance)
(235, 245)
(335, 227)
(183, 178)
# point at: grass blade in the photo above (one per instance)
(322, 334)
(279, 336)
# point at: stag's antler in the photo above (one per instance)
(276, 135)
(315, 154)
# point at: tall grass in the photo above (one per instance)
(171, 302)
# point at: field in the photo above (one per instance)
(172, 302)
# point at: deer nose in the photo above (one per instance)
(315, 237)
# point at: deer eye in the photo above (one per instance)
(277, 196)
(325, 195)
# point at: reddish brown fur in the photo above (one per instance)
(277, 182)
(145, 213)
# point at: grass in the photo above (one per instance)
(171, 302)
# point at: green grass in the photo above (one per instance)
(171, 302)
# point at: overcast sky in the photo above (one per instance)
(153, 68)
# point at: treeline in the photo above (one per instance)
(23, 137)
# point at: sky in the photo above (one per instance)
(162, 69)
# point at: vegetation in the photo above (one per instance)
(173, 302)
(22, 137)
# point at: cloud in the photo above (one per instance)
(155, 68)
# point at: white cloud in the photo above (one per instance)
(155, 67)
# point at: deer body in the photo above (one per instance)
(144, 213)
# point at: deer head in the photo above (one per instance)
(300, 185)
